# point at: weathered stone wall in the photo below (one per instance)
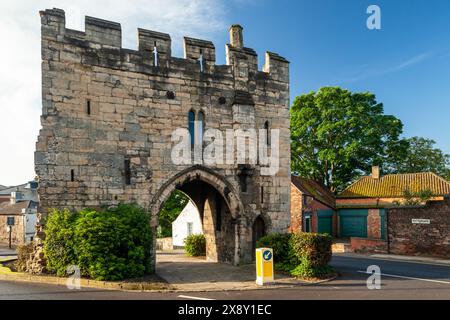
(104, 105)
(431, 239)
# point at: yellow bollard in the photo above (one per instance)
(264, 266)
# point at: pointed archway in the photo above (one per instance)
(219, 205)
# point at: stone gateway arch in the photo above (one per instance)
(109, 114)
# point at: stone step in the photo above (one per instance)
(341, 247)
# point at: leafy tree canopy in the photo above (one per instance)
(422, 156)
(338, 135)
(170, 211)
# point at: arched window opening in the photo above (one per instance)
(200, 127)
(191, 117)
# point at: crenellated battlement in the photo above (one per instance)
(101, 44)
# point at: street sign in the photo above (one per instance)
(421, 221)
(264, 266)
(10, 221)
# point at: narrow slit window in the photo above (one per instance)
(267, 128)
(72, 175)
(191, 124)
(88, 107)
(262, 194)
(127, 172)
(200, 59)
(155, 55)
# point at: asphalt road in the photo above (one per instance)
(399, 280)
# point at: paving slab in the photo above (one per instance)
(197, 274)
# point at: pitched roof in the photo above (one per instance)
(8, 190)
(314, 189)
(394, 186)
(14, 209)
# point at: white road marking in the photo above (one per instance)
(405, 277)
(193, 298)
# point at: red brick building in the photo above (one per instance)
(362, 207)
(312, 207)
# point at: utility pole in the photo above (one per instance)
(10, 236)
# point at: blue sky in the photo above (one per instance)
(406, 63)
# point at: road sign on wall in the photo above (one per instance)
(421, 221)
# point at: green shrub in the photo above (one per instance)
(283, 256)
(59, 242)
(301, 254)
(313, 251)
(195, 245)
(111, 245)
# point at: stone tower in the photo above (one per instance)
(109, 113)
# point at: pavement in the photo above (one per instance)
(6, 253)
(196, 274)
(404, 280)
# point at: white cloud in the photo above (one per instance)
(365, 72)
(20, 80)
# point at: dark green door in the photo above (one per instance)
(353, 223)
(325, 221)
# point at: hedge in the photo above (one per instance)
(301, 254)
(283, 256)
(111, 245)
(195, 245)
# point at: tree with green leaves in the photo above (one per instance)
(423, 156)
(170, 211)
(337, 135)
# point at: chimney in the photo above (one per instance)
(376, 172)
(236, 37)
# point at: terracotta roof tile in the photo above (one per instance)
(394, 185)
(314, 189)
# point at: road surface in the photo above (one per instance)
(399, 280)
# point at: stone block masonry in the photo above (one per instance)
(108, 114)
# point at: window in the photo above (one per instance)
(191, 126)
(200, 127)
(155, 55)
(190, 228)
(307, 224)
(200, 59)
(196, 127)
(127, 172)
(243, 182)
(267, 128)
(88, 107)
(72, 175)
(262, 194)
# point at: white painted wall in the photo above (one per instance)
(189, 214)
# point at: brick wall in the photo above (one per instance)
(420, 239)
(296, 210)
(17, 231)
(374, 224)
(365, 245)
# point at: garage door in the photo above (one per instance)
(353, 223)
(325, 221)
